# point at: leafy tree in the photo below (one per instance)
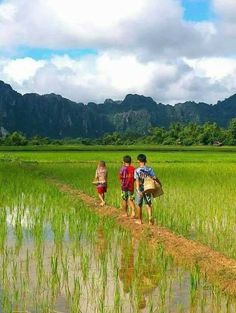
(155, 135)
(188, 135)
(231, 134)
(15, 139)
(112, 139)
(174, 130)
(211, 132)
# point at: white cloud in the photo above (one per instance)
(225, 41)
(71, 23)
(214, 68)
(226, 9)
(97, 77)
(7, 12)
(20, 70)
(144, 46)
(89, 78)
(151, 28)
(93, 14)
(125, 72)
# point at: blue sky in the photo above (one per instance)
(41, 53)
(197, 10)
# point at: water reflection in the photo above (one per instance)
(140, 277)
(72, 261)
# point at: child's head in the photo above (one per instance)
(101, 164)
(127, 159)
(142, 158)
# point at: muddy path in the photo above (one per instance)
(214, 266)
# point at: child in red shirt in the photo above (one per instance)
(126, 176)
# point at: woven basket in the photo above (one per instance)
(158, 191)
(153, 187)
(149, 185)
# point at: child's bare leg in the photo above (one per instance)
(101, 197)
(125, 207)
(133, 207)
(150, 217)
(139, 214)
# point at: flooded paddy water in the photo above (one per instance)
(56, 255)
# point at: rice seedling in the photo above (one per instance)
(53, 247)
(199, 200)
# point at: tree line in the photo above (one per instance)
(177, 134)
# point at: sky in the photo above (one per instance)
(171, 50)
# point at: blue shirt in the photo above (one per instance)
(142, 172)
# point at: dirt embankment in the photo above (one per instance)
(214, 266)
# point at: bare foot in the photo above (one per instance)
(139, 222)
(125, 215)
(102, 203)
(133, 215)
(151, 221)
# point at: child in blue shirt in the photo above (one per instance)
(140, 173)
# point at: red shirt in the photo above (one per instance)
(126, 176)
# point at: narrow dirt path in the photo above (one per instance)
(214, 266)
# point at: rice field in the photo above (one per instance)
(56, 255)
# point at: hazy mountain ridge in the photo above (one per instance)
(53, 116)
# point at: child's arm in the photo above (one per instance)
(137, 187)
(106, 175)
(157, 180)
(137, 182)
(120, 174)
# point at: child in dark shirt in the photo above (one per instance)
(126, 176)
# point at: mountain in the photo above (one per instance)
(57, 117)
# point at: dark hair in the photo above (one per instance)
(127, 159)
(142, 158)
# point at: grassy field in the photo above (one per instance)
(115, 156)
(199, 200)
(146, 147)
(60, 255)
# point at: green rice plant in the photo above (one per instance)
(101, 302)
(117, 299)
(198, 201)
(195, 277)
(3, 228)
(55, 278)
(6, 303)
(151, 308)
(53, 245)
(84, 263)
(75, 300)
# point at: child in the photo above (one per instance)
(126, 176)
(140, 173)
(101, 177)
